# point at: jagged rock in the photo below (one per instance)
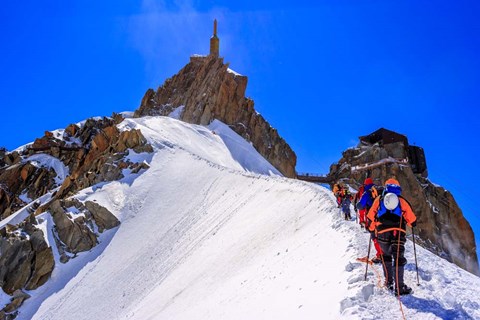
(136, 167)
(71, 130)
(23, 178)
(77, 237)
(103, 218)
(209, 90)
(117, 118)
(43, 263)
(15, 260)
(441, 225)
(3, 152)
(26, 260)
(133, 139)
(27, 170)
(12, 158)
(96, 160)
(17, 300)
(95, 152)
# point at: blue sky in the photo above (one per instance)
(323, 74)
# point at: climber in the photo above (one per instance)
(346, 197)
(359, 213)
(337, 191)
(366, 200)
(389, 216)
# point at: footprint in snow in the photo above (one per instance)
(366, 292)
(351, 266)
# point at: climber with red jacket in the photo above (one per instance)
(369, 193)
(389, 216)
(360, 213)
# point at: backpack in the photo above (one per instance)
(373, 192)
(382, 209)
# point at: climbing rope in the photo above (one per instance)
(396, 273)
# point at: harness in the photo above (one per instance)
(391, 229)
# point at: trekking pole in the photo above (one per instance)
(415, 254)
(368, 255)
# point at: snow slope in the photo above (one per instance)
(212, 231)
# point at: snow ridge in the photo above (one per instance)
(211, 231)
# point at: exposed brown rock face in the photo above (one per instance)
(441, 226)
(22, 178)
(104, 219)
(78, 234)
(93, 152)
(3, 152)
(208, 90)
(75, 234)
(26, 260)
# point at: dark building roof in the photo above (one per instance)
(384, 136)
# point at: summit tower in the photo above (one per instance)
(214, 41)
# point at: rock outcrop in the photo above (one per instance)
(57, 166)
(26, 260)
(207, 89)
(93, 153)
(441, 227)
(25, 179)
(77, 233)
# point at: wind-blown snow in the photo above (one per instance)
(211, 232)
(177, 112)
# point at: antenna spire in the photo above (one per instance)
(214, 41)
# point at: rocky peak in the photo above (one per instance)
(207, 89)
(441, 227)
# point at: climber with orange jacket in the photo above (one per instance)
(337, 192)
(389, 216)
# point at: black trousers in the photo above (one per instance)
(393, 247)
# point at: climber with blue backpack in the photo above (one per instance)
(389, 216)
(365, 202)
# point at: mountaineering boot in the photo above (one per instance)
(377, 259)
(403, 289)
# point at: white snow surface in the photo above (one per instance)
(234, 72)
(177, 112)
(212, 231)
